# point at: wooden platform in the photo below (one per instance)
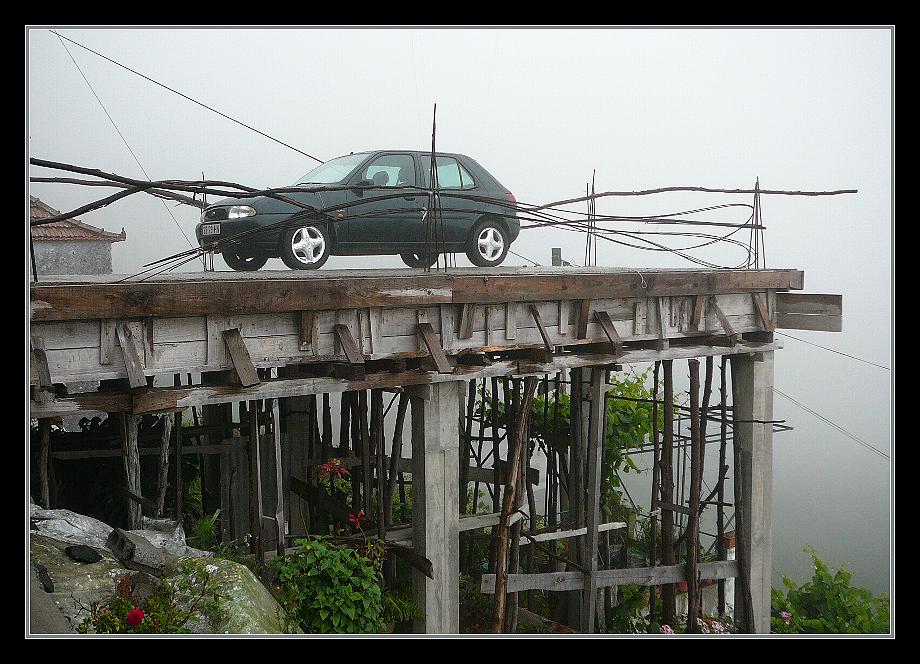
(182, 323)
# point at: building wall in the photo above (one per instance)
(73, 257)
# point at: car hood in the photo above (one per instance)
(267, 205)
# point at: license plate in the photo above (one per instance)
(210, 229)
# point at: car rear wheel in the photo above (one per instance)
(305, 247)
(418, 260)
(244, 263)
(488, 244)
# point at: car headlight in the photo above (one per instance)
(240, 211)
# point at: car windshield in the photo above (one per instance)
(334, 170)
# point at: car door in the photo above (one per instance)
(458, 214)
(374, 226)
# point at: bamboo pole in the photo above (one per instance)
(693, 520)
(511, 489)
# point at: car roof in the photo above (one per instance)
(418, 152)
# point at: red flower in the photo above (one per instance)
(357, 519)
(135, 617)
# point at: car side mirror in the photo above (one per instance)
(358, 187)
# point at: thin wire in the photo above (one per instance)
(852, 357)
(836, 426)
(123, 139)
(184, 96)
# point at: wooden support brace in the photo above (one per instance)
(434, 348)
(106, 340)
(543, 333)
(604, 319)
(511, 312)
(133, 363)
(41, 362)
(723, 320)
(581, 325)
(697, 317)
(239, 356)
(466, 321)
(762, 313)
(347, 341)
(662, 326)
(306, 332)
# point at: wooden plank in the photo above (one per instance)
(133, 363)
(643, 576)
(434, 348)
(347, 342)
(809, 303)
(375, 331)
(539, 321)
(564, 308)
(239, 356)
(106, 340)
(761, 308)
(815, 322)
(576, 532)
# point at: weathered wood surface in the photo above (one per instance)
(643, 576)
(174, 398)
(809, 311)
(263, 292)
(74, 349)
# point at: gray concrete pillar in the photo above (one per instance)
(435, 504)
(753, 379)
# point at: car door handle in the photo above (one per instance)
(409, 198)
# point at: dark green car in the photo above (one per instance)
(373, 203)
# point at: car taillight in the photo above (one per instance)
(510, 197)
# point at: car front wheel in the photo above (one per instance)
(488, 244)
(244, 263)
(418, 260)
(305, 247)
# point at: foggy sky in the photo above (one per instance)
(541, 109)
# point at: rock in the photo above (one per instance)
(44, 616)
(69, 527)
(170, 536)
(245, 606)
(82, 554)
(136, 552)
(76, 585)
(44, 579)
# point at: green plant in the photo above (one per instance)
(328, 588)
(828, 604)
(160, 613)
(204, 532)
(399, 607)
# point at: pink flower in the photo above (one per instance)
(357, 519)
(666, 629)
(135, 617)
(786, 616)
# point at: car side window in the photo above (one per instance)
(451, 174)
(390, 170)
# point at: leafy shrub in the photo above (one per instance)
(204, 532)
(327, 588)
(827, 604)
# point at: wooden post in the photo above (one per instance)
(163, 465)
(395, 455)
(180, 485)
(435, 512)
(656, 493)
(720, 494)
(693, 520)
(44, 435)
(132, 467)
(279, 478)
(255, 484)
(668, 598)
(752, 388)
(596, 435)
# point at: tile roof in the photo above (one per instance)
(69, 229)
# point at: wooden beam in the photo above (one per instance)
(40, 359)
(582, 310)
(239, 356)
(761, 310)
(607, 325)
(106, 340)
(466, 321)
(305, 330)
(134, 365)
(733, 337)
(543, 333)
(347, 342)
(697, 317)
(641, 576)
(434, 348)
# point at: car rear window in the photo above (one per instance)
(451, 174)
